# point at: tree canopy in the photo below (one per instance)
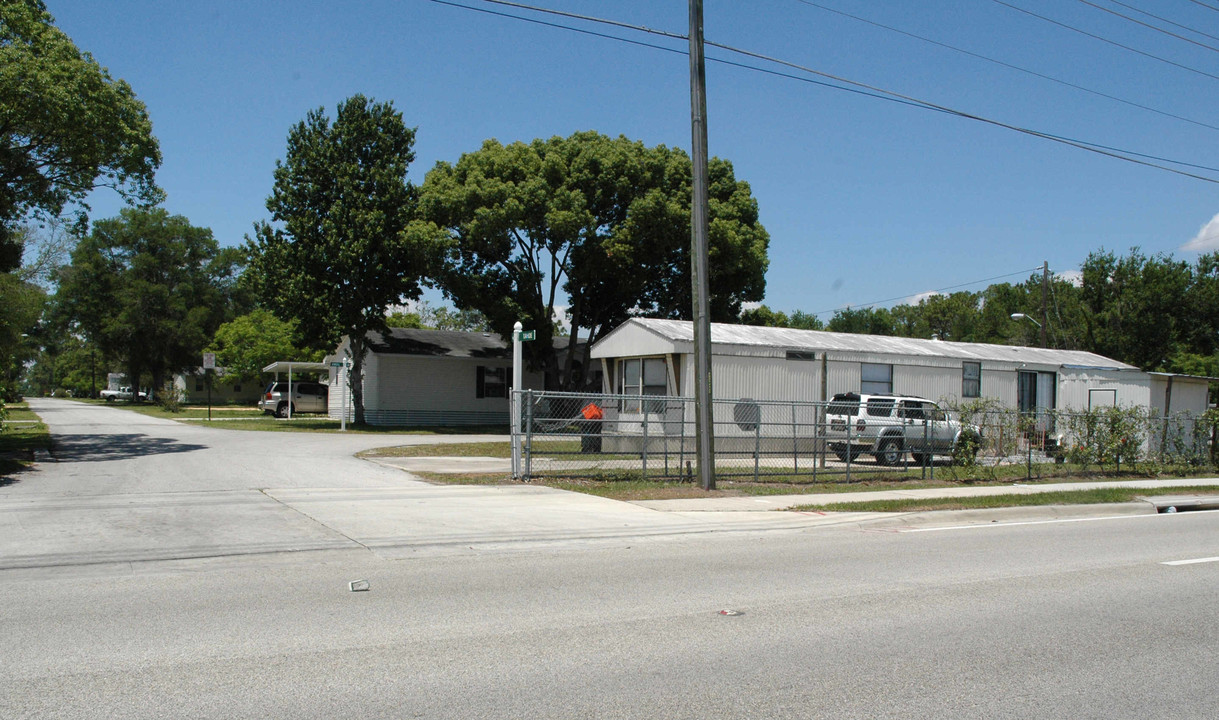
(250, 342)
(150, 289)
(604, 220)
(1154, 312)
(66, 126)
(337, 257)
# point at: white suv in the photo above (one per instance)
(889, 426)
(309, 397)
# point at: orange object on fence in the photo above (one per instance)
(592, 411)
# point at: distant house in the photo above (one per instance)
(432, 377)
(192, 388)
(655, 357)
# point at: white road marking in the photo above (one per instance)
(1059, 520)
(1192, 562)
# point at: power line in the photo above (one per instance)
(1164, 19)
(903, 297)
(1094, 36)
(1010, 66)
(856, 87)
(1205, 5)
(1136, 21)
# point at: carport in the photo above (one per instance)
(291, 366)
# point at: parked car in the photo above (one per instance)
(307, 397)
(123, 393)
(889, 426)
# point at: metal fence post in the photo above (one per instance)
(927, 457)
(850, 454)
(795, 444)
(681, 447)
(644, 450)
(528, 435)
(757, 444)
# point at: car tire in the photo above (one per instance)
(847, 456)
(109, 398)
(281, 410)
(889, 452)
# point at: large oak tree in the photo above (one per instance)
(149, 289)
(336, 256)
(66, 126)
(603, 221)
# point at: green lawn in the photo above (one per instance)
(627, 484)
(236, 417)
(1065, 497)
(18, 441)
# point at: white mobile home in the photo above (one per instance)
(655, 357)
(431, 377)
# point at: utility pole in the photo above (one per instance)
(1045, 294)
(704, 428)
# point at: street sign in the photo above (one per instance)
(336, 364)
(528, 335)
(209, 361)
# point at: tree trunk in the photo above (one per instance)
(358, 348)
(568, 382)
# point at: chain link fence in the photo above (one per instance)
(652, 437)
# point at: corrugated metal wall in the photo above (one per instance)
(1132, 388)
(1187, 394)
(411, 390)
(766, 378)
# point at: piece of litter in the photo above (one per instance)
(731, 613)
(358, 585)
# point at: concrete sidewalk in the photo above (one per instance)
(783, 502)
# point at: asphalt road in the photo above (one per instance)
(156, 584)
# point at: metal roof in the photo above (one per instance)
(294, 366)
(439, 343)
(725, 335)
(446, 343)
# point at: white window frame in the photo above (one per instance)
(873, 385)
(641, 384)
(966, 380)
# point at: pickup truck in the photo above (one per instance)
(123, 393)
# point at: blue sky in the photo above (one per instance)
(865, 200)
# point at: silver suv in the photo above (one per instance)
(889, 426)
(309, 397)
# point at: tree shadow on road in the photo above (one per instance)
(100, 448)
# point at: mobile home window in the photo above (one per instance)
(971, 380)
(492, 382)
(876, 379)
(642, 376)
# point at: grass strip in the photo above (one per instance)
(18, 442)
(1060, 497)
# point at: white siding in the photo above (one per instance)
(766, 378)
(1132, 388)
(1188, 394)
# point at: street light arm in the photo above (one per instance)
(1022, 316)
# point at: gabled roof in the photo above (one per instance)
(440, 343)
(725, 336)
(445, 343)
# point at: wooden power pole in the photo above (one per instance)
(704, 423)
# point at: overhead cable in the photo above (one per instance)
(855, 87)
(1136, 21)
(1164, 20)
(903, 297)
(1010, 66)
(1094, 36)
